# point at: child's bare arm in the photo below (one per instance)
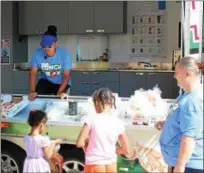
(86, 144)
(124, 145)
(83, 136)
(49, 149)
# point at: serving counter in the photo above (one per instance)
(143, 138)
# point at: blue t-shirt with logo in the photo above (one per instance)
(185, 118)
(52, 67)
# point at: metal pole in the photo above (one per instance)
(183, 34)
(201, 31)
(201, 39)
(182, 28)
(186, 28)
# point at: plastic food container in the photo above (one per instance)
(13, 108)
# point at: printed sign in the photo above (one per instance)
(5, 51)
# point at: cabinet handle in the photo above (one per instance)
(89, 30)
(152, 74)
(83, 83)
(84, 93)
(96, 83)
(84, 72)
(139, 74)
(100, 30)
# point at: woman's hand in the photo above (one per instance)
(201, 65)
(62, 95)
(159, 125)
(179, 169)
(32, 95)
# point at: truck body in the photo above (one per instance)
(143, 138)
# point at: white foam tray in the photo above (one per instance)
(16, 107)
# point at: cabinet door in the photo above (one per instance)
(104, 76)
(6, 17)
(164, 82)
(80, 83)
(105, 79)
(109, 16)
(21, 82)
(81, 17)
(80, 93)
(31, 17)
(80, 76)
(81, 86)
(131, 81)
(20, 49)
(7, 79)
(57, 13)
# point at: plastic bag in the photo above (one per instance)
(146, 105)
(56, 163)
(55, 110)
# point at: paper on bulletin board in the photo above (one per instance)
(148, 30)
(5, 51)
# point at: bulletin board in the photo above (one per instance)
(148, 29)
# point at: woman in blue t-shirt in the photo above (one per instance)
(55, 64)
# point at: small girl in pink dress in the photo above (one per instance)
(38, 148)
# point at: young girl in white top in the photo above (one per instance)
(39, 149)
(102, 131)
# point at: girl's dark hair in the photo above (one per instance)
(51, 30)
(105, 96)
(36, 117)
